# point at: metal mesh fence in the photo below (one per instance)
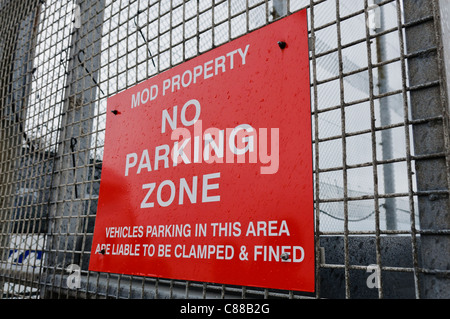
(380, 138)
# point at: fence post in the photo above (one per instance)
(67, 218)
(18, 33)
(429, 116)
(385, 119)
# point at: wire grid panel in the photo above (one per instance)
(61, 60)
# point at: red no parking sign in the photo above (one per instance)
(207, 169)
